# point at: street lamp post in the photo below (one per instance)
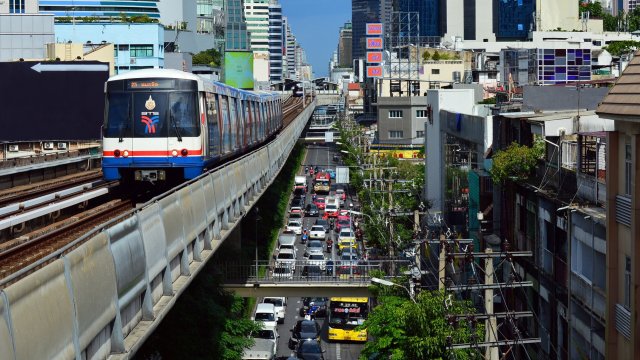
(391, 283)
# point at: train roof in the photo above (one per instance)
(203, 84)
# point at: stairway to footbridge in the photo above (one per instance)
(103, 295)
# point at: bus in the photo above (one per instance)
(345, 314)
(322, 183)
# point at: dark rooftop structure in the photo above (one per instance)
(623, 99)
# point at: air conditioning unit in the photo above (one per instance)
(62, 146)
(48, 146)
(14, 148)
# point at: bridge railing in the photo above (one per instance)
(309, 271)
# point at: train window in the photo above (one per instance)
(150, 114)
(212, 124)
(184, 115)
(240, 122)
(226, 131)
(234, 123)
(118, 122)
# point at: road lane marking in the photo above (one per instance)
(338, 351)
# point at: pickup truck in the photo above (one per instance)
(262, 349)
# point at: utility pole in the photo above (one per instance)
(491, 324)
(442, 262)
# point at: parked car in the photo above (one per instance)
(295, 226)
(310, 350)
(316, 306)
(303, 330)
(311, 210)
(318, 232)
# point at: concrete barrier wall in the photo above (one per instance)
(90, 302)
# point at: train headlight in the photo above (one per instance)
(116, 153)
(174, 153)
(125, 153)
(184, 152)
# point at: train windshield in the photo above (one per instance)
(152, 114)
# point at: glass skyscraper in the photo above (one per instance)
(362, 12)
(236, 36)
(514, 19)
(428, 12)
(102, 9)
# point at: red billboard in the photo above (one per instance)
(374, 57)
(374, 71)
(374, 43)
(374, 29)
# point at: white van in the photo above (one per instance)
(300, 182)
(267, 314)
(281, 306)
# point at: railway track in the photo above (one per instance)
(27, 192)
(26, 253)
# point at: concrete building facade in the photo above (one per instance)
(136, 46)
(275, 42)
(104, 10)
(345, 45)
(256, 14)
(24, 36)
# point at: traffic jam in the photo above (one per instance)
(321, 239)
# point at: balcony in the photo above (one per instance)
(592, 189)
(590, 296)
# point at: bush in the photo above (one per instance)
(515, 162)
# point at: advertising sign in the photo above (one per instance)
(374, 57)
(374, 71)
(342, 175)
(374, 43)
(374, 29)
(238, 69)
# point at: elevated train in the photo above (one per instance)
(163, 124)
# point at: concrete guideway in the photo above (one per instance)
(103, 295)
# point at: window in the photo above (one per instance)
(421, 113)
(628, 170)
(395, 114)
(395, 134)
(627, 282)
(435, 71)
(420, 133)
(141, 51)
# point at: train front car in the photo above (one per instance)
(152, 129)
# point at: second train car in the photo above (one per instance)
(163, 124)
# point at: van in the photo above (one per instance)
(300, 182)
(331, 207)
(281, 306)
(287, 239)
(266, 313)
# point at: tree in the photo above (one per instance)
(617, 48)
(402, 329)
(436, 56)
(515, 162)
(211, 57)
(426, 56)
(235, 338)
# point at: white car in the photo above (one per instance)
(318, 259)
(281, 306)
(283, 271)
(295, 226)
(286, 257)
(318, 232)
(296, 213)
(346, 232)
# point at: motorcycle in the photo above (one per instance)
(329, 245)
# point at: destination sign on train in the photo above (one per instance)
(151, 84)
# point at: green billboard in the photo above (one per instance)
(238, 69)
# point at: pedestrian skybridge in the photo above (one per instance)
(305, 278)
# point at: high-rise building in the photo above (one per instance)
(107, 9)
(514, 19)
(428, 14)
(470, 20)
(236, 35)
(210, 20)
(291, 54)
(362, 12)
(19, 7)
(344, 45)
(285, 39)
(256, 13)
(275, 41)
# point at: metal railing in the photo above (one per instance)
(306, 271)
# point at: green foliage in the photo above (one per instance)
(617, 48)
(491, 100)
(594, 8)
(64, 19)
(235, 338)
(516, 162)
(436, 56)
(136, 19)
(426, 56)
(211, 57)
(402, 329)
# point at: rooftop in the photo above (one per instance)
(622, 99)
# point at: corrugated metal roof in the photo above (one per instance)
(624, 97)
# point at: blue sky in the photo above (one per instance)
(316, 23)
